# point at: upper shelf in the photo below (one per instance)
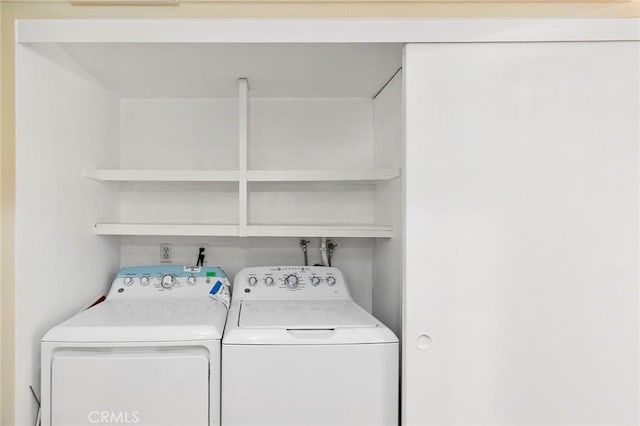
(164, 230)
(123, 175)
(128, 175)
(321, 175)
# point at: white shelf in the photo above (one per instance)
(123, 175)
(173, 230)
(193, 230)
(243, 176)
(344, 231)
(321, 175)
(130, 175)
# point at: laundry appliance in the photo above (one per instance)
(297, 350)
(148, 355)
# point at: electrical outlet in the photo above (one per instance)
(166, 254)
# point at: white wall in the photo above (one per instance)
(179, 203)
(310, 133)
(64, 122)
(389, 152)
(522, 234)
(199, 134)
(311, 203)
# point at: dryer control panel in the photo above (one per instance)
(290, 282)
(164, 281)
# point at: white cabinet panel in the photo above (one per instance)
(521, 233)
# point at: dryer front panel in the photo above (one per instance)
(159, 386)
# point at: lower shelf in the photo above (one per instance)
(163, 230)
(205, 230)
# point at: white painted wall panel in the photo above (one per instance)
(522, 233)
(311, 203)
(209, 203)
(316, 133)
(389, 152)
(64, 123)
(199, 134)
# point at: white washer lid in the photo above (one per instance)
(304, 314)
(144, 321)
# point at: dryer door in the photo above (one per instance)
(157, 386)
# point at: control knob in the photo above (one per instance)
(331, 281)
(291, 281)
(253, 281)
(315, 281)
(128, 280)
(168, 281)
(191, 280)
(268, 281)
(144, 281)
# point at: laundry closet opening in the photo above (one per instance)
(242, 148)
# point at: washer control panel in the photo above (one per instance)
(170, 281)
(290, 282)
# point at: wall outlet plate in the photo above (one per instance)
(166, 253)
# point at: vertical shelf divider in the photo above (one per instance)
(243, 138)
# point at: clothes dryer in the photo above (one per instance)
(148, 355)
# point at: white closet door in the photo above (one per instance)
(521, 234)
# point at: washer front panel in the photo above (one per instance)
(310, 385)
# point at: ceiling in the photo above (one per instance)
(205, 70)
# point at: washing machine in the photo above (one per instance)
(297, 350)
(148, 355)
